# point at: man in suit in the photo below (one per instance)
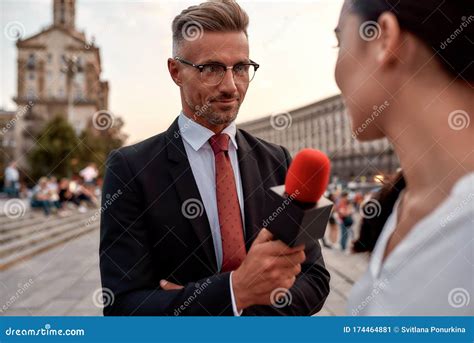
(183, 234)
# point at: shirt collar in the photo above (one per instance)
(197, 135)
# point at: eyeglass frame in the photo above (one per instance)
(200, 67)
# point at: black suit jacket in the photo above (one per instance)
(145, 237)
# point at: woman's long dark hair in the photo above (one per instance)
(371, 226)
(445, 26)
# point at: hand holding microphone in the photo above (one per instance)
(269, 264)
(297, 212)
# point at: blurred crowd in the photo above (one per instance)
(50, 195)
(344, 223)
(82, 192)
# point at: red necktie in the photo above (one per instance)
(228, 208)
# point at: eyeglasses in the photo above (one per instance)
(213, 73)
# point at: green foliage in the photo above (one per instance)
(96, 145)
(60, 152)
(55, 147)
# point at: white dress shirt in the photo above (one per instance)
(201, 158)
(431, 271)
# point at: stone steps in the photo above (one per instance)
(21, 239)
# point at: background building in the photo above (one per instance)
(7, 139)
(324, 125)
(58, 74)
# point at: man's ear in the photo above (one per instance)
(174, 71)
(390, 39)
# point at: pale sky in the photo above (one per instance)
(292, 41)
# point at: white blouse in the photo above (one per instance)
(431, 271)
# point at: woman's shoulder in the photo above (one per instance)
(459, 206)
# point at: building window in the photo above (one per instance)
(50, 58)
(79, 95)
(31, 75)
(30, 94)
(30, 64)
(80, 64)
(79, 78)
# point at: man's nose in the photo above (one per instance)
(228, 82)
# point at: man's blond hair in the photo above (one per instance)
(210, 16)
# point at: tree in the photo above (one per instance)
(60, 152)
(56, 145)
(96, 144)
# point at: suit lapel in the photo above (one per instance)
(186, 187)
(254, 195)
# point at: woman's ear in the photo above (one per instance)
(391, 40)
(174, 71)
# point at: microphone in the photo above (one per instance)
(308, 176)
(297, 212)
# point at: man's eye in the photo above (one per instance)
(240, 68)
(212, 68)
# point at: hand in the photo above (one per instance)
(168, 286)
(268, 265)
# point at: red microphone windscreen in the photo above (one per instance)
(308, 176)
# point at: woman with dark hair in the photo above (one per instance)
(371, 226)
(412, 61)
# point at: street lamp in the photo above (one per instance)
(70, 68)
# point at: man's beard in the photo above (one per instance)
(213, 116)
(219, 118)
